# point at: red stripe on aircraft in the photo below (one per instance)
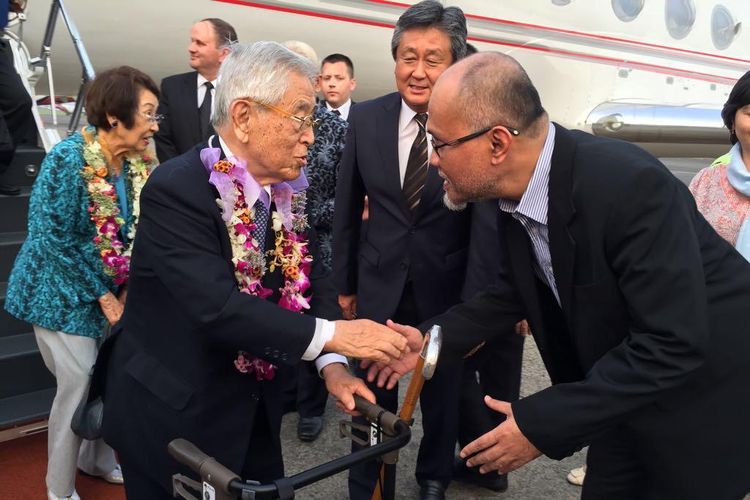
(577, 33)
(578, 55)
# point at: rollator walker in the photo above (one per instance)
(392, 433)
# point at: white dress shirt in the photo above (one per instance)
(202, 91)
(407, 132)
(343, 109)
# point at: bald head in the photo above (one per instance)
(491, 88)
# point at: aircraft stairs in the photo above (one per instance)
(26, 386)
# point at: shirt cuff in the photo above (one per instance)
(329, 359)
(324, 330)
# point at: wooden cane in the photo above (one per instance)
(406, 413)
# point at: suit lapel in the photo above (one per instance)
(560, 214)
(387, 144)
(191, 100)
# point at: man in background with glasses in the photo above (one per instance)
(195, 353)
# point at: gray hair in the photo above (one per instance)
(431, 14)
(303, 49)
(260, 71)
(496, 90)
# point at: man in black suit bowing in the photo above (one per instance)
(638, 307)
(187, 99)
(411, 263)
(220, 273)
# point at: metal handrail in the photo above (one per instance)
(58, 7)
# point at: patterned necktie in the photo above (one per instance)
(416, 168)
(261, 223)
(204, 111)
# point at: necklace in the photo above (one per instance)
(290, 247)
(104, 211)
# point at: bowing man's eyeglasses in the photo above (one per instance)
(303, 122)
(437, 145)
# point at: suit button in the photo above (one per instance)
(412, 230)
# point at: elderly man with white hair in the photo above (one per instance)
(221, 271)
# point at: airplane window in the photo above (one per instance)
(680, 17)
(627, 10)
(561, 2)
(723, 27)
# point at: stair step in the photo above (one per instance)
(10, 244)
(23, 344)
(22, 408)
(9, 325)
(15, 210)
(25, 166)
(22, 368)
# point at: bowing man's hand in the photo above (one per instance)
(387, 374)
(504, 448)
(343, 386)
(365, 339)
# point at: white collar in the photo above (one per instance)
(202, 79)
(343, 109)
(405, 117)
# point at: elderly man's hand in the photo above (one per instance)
(504, 448)
(365, 339)
(388, 374)
(343, 386)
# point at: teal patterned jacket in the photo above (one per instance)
(58, 274)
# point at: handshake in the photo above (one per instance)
(388, 351)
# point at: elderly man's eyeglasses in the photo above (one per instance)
(436, 146)
(152, 118)
(303, 122)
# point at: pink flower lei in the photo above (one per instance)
(290, 252)
(103, 209)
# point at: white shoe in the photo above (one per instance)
(576, 476)
(52, 496)
(114, 476)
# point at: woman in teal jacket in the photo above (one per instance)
(69, 279)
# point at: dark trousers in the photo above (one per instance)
(690, 451)
(263, 463)
(439, 419)
(17, 124)
(495, 370)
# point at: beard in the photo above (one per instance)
(453, 206)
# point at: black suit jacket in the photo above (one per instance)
(180, 130)
(171, 371)
(429, 250)
(654, 307)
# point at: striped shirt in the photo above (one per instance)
(531, 212)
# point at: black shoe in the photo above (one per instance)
(492, 480)
(9, 189)
(309, 428)
(431, 490)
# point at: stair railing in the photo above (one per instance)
(44, 60)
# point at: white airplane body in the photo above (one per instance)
(635, 69)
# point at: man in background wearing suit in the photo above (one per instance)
(194, 353)
(337, 83)
(187, 99)
(411, 263)
(638, 307)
